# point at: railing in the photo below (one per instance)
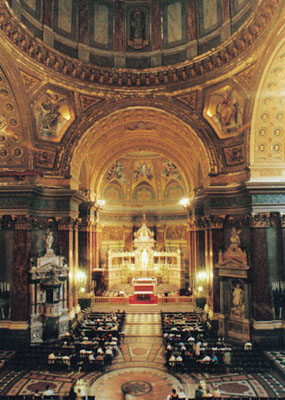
(161, 300)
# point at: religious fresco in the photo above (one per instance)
(174, 22)
(100, 25)
(224, 109)
(53, 114)
(176, 232)
(116, 171)
(113, 193)
(174, 192)
(209, 12)
(170, 171)
(143, 194)
(143, 170)
(64, 16)
(142, 179)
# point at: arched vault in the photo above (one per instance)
(142, 129)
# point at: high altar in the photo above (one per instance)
(145, 262)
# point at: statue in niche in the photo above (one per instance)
(237, 296)
(137, 37)
(235, 239)
(48, 243)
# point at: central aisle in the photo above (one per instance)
(143, 324)
(139, 368)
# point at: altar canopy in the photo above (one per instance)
(145, 262)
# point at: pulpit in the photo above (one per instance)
(234, 291)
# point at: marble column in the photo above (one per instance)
(66, 244)
(261, 297)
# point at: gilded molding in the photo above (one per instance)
(265, 220)
(235, 47)
(66, 223)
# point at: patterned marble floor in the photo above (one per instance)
(143, 325)
(139, 369)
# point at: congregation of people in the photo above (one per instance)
(190, 346)
(92, 346)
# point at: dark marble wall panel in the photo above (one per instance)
(102, 61)
(191, 20)
(273, 254)
(132, 62)
(82, 249)
(63, 243)
(83, 21)
(174, 58)
(47, 17)
(282, 253)
(63, 48)
(21, 243)
(204, 47)
(119, 37)
(37, 32)
(261, 298)
(201, 250)
(155, 25)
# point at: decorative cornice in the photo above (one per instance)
(53, 60)
(265, 220)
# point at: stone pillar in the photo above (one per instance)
(216, 224)
(66, 244)
(97, 245)
(86, 261)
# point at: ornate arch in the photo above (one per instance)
(15, 122)
(184, 141)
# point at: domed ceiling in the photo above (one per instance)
(142, 179)
(133, 34)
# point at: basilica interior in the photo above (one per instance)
(142, 160)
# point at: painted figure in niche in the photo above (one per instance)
(137, 25)
(228, 112)
(137, 35)
(237, 297)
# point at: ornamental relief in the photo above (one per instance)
(53, 112)
(224, 110)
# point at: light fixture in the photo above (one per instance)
(185, 202)
(80, 277)
(202, 276)
(100, 203)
